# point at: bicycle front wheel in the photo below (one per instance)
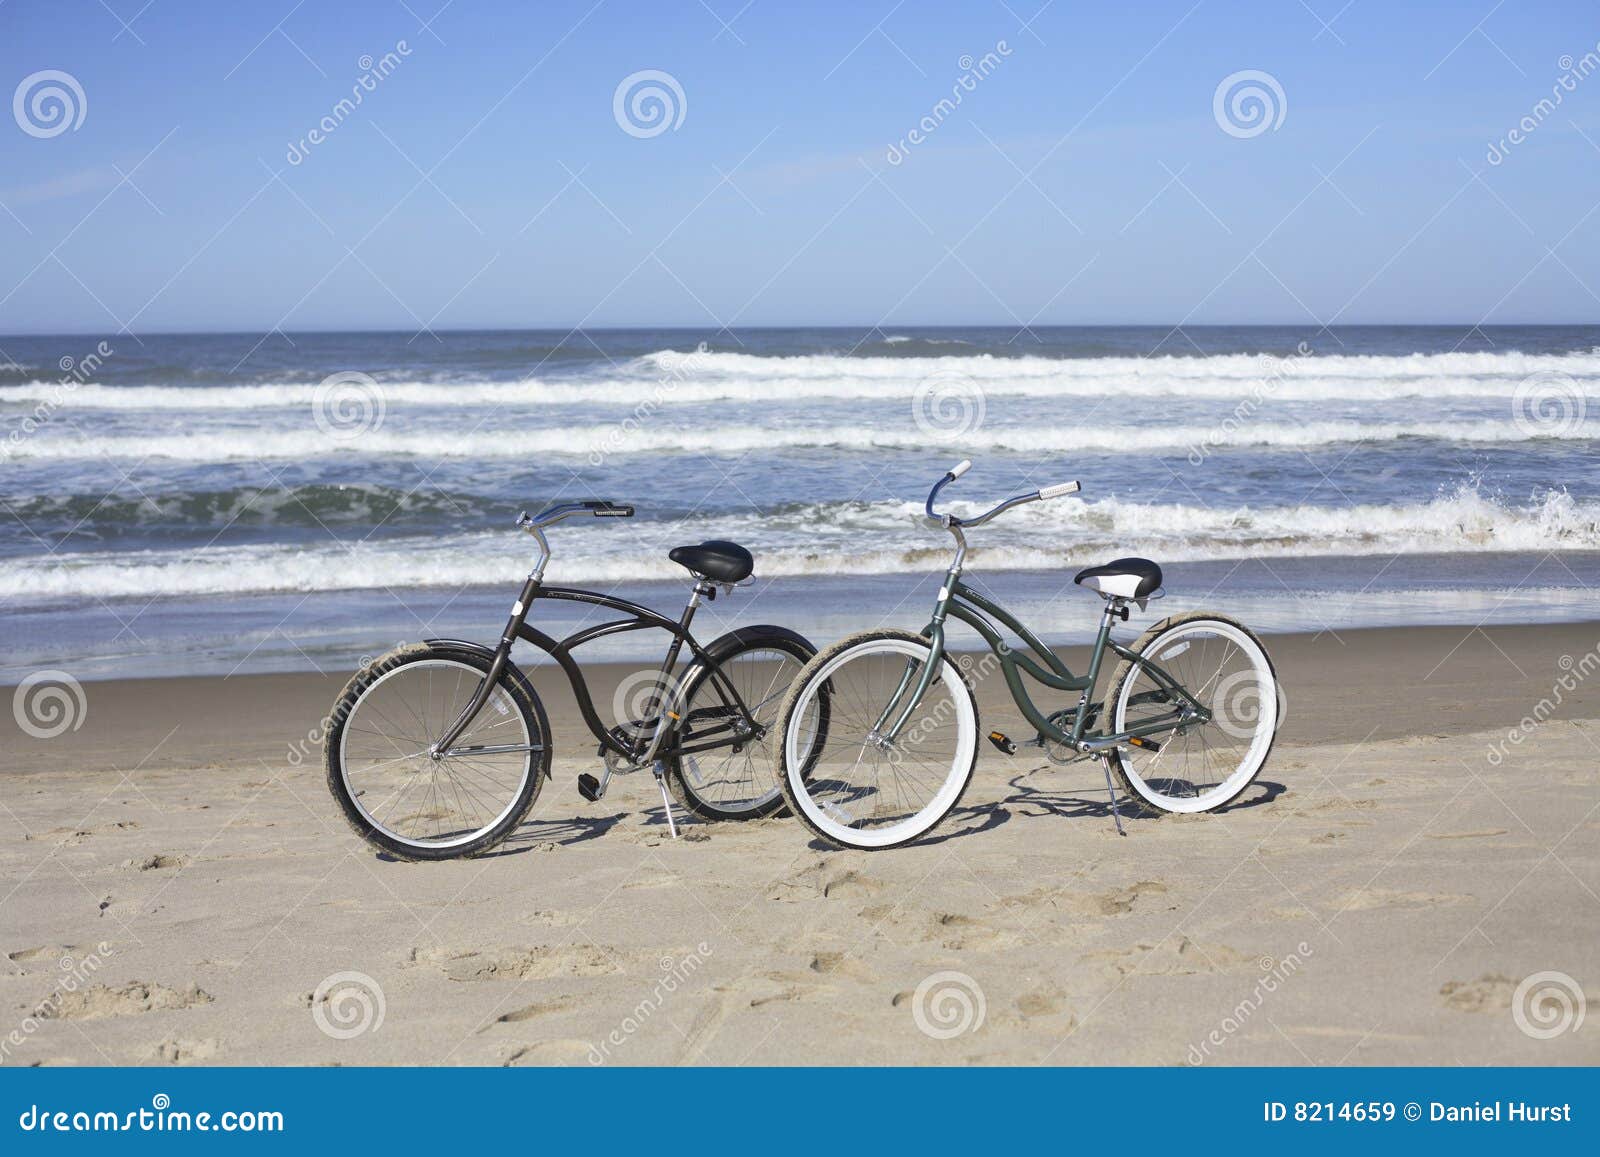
(885, 770)
(395, 794)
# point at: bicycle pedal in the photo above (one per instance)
(1149, 745)
(590, 787)
(1004, 742)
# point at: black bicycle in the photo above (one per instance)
(438, 749)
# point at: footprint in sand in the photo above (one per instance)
(551, 1052)
(823, 881)
(1323, 807)
(653, 837)
(518, 963)
(1477, 835)
(1365, 899)
(1116, 902)
(651, 882)
(1044, 1004)
(182, 1052)
(792, 986)
(46, 956)
(547, 918)
(72, 837)
(1041, 1003)
(1491, 992)
(1172, 957)
(961, 933)
(842, 964)
(132, 999)
(536, 1010)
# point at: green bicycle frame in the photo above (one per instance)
(960, 601)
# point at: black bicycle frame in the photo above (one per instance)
(960, 601)
(644, 747)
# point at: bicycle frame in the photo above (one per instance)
(740, 726)
(960, 601)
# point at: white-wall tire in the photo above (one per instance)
(919, 776)
(1215, 761)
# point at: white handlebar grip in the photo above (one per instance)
(1059, 489)
(964, 465)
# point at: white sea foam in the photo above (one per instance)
(846, 539)
(598, 441)
(1244, 367)
(667, 378)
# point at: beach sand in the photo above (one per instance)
(1377, 898)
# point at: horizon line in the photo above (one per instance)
(570, 331)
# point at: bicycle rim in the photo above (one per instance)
(1203, 766)
(863, 794)
(740, 781)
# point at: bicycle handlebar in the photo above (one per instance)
(599, 507)
(948, 521)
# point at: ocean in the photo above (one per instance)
(209, 503)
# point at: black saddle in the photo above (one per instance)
(719, 561)
(1127, 578)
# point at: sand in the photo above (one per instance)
(178, 887)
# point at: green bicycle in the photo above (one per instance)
(1186, 726)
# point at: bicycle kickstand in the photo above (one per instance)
(1105, 766)
(660, 770)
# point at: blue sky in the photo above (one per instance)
(485, 181)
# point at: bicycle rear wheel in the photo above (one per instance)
(1202, 766)
(737, 781)
(850, 784)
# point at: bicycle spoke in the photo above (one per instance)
(408, 794)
